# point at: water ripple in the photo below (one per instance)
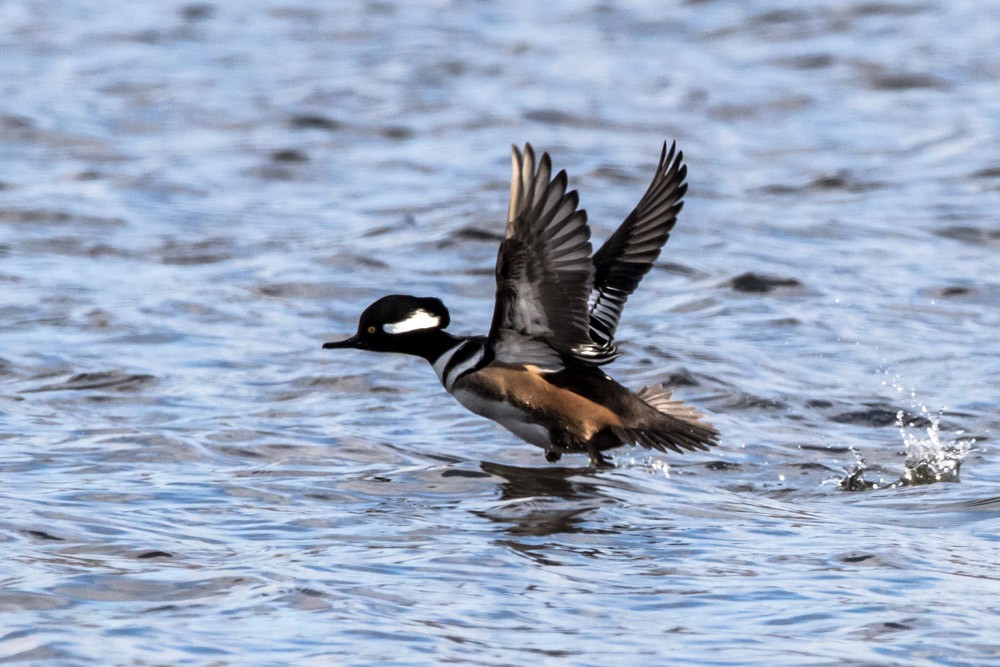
(195, 197)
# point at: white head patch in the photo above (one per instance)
(418, 319)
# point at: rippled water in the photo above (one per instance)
(194, 197)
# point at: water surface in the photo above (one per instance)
(194, 197)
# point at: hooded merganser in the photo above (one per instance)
(538, 372)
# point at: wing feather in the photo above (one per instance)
(544, 270)
(629, 253)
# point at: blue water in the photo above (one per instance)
(193, 197)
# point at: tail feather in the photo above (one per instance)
(675, 426)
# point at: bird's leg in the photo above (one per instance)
(597, 460)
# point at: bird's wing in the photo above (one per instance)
(630, 252)
(544, 271)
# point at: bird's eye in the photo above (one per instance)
(371, 330)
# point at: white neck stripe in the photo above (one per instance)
(442, 362)
(449, 373)
(458, 369)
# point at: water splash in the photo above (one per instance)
(647, 463)
(855, 480)
(656, 466)
(928, 460)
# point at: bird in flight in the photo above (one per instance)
(538, 372)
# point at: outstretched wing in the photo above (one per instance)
(630, 252)
(544, 270)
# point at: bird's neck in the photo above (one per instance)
(433, 344)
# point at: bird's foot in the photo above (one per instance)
(598, 460)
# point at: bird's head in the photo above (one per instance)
(396, 323)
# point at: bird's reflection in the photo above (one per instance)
(539, 482)
(573, 488)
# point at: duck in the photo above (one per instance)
(539, 371)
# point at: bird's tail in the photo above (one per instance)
(674, 424)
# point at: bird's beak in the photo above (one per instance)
(340, 344)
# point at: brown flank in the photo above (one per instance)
(527, 389)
